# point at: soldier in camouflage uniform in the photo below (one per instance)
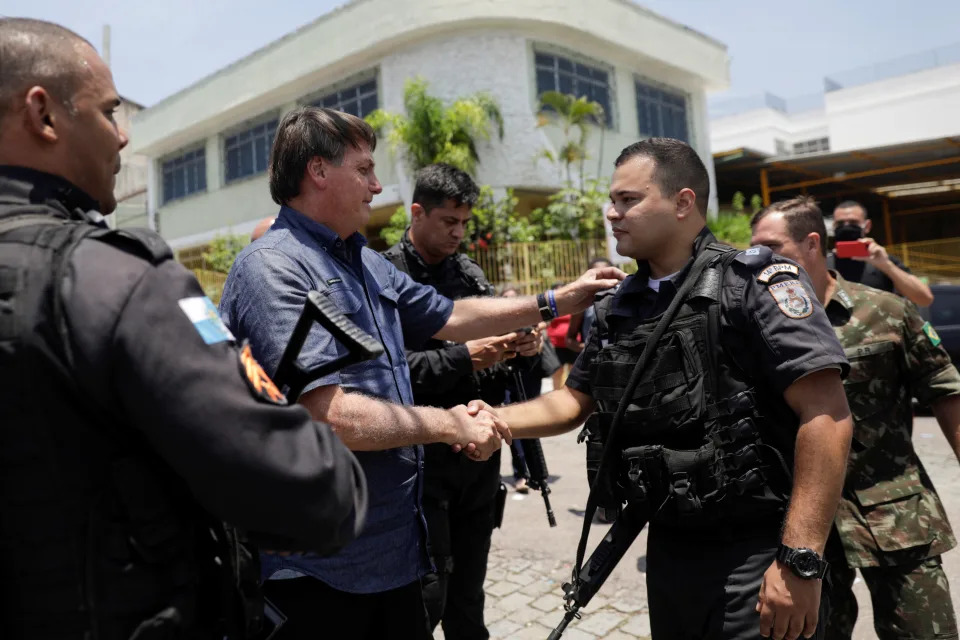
(890, 523)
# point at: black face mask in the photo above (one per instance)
(847, 232)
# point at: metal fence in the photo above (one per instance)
(532, 267)
(938, 260)
(903, 65)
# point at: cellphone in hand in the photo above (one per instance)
(851, 249)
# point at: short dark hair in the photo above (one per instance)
(850, 204)
(437, 183)
(676, 166)
(802, 215)
(309, 132)
(36, 52)
(594, 261)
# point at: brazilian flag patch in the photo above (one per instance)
(931, 334)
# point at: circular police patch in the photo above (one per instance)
(792, 298)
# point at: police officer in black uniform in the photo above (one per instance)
(459, 496)
(740, 391)
(132, 425)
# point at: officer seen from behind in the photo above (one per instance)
(742, 390)
(459, 496)
(891, 523)
(131, 425)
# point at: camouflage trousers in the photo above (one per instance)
(909, 601)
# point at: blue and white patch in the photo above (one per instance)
(201, 312)
(755, 251)
(755, 257)
(775, 269)
(792, 298)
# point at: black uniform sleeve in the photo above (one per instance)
(784, 330)
(264, 467)
(579, 376)
(438, 370)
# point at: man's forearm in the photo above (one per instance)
(947, 411)
(475, 318)
(548, 415)
(908, 285)
(823, 444)
(368, 424)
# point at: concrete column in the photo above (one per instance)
(700, 140)
(153, 189)
(214, 156)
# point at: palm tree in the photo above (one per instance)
(572, 114)
(432, 132)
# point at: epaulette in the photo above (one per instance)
(755, 257)
(140, 242)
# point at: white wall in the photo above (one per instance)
(919, 106)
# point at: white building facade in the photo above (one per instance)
(898, 101)
(208, 145)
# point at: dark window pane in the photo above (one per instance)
(202, 177)
(246, 160)
(178, 186)
(260, 154)
(564, 65)
(543, 59)
(167, 186)
(546, 81)
(368, 106)
(368, 87)
(233, 164)
(566, 84)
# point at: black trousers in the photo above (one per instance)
(317, 611)
(705, 586)
(458, 503)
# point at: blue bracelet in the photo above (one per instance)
(552, 300)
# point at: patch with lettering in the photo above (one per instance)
(260, 383)
(776, 269)
(792, 298)
(334, 281)
(931, 334)
(201, 312)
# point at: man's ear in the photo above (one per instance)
(317, 172)
(39, 117)
(867, 225)
(813, 242)
(686, 203)
(417, 211)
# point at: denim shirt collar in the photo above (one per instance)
(347, 250)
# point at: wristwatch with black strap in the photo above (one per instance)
(545, 311)
(805, 563)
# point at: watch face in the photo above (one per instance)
(806, 563)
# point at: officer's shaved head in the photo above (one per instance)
(37, 53)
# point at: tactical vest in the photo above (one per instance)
(461, 278)
(98, 539)
(689, 444)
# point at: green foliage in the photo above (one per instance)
(495, 222)
(733, 229)
(429, 131)
(573, 213)
(756, 202)
(393, 230)
(572, 115)
(738, 202)
(222, 251)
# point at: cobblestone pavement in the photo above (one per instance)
(529, 560)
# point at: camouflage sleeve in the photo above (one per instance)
(929, 369)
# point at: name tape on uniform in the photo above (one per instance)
(792, 298)
(201, 312)
(775, 269)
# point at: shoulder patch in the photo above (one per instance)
(201, 312)
(775, 269)
(259, 382)
(792, 298)
(754, 256)
(931, 334)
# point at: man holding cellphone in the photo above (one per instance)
(873, 266)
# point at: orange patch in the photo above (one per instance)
(263, 387)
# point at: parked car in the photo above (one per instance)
(944, 315)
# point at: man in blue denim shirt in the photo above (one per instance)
(322, 175)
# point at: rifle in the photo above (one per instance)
(585, 583)
(536, 463)
(318, 308)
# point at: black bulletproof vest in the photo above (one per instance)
(98, 539)
(689, 444)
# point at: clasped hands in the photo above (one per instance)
(480, 431)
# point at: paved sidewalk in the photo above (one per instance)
(529, 560)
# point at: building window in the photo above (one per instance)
(184, 174)
(661, 113)
(247, 153)
(812, 146)
(557, 73)
(357, 98)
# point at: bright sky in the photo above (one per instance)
(782, 46)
